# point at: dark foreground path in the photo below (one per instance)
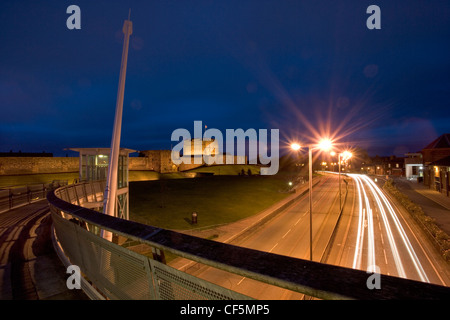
(29, 266)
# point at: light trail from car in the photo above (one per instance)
(392, 227)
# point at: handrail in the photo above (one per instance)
(15, 196)
(315, 279)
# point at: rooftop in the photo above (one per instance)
(441, 142)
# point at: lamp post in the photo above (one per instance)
(310, 203)
(324, 145)
(347, 155)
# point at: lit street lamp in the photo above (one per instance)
(324, 145)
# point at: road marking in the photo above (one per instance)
(273, 247)
(286, 233)
(241, 281)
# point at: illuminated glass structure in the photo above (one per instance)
(94, 164)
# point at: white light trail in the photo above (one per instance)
(391, 239)
(363, 210)
(418, 266)
(360, 235)
(387, 214)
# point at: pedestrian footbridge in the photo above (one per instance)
(115, 270)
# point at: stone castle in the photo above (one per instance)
(151, 160)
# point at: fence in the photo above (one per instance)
(16, 196)
(113, 271)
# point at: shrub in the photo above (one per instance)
(429, 224)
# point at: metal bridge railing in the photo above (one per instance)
(16, 196)
(111, 270)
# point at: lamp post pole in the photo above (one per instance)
(310, 203)
(109, 201)
(340, 201)
(324, 144)
(110, 193)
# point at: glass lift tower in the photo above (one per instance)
(94, 163)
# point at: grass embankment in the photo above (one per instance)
(235, 169)
(216, 170)
(28, 179)
(441, 238)
(169, 203)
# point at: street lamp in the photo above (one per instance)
(344, 156)
(295, 146)
(324, 145)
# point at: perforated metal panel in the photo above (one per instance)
(173, 284)
(120, 273)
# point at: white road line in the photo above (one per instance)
(273, 247)
(286, 233)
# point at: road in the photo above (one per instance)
(371, 235)
(380, 237)
(287, 234)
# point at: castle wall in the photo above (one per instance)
(154, 160)
(35, 165)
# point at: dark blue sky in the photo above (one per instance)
(296, 66)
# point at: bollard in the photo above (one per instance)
(194, 217)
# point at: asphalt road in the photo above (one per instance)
(372, 234)
(381, 237)
(287, 234)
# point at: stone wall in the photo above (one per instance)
(35, 165)
(153, 160)
(159, 161)
(139, 163)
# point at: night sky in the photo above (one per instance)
(307, 68)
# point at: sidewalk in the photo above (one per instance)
(433, 203)
(29, 266)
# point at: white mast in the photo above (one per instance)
(109, 200)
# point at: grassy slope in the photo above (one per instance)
(19, 180)
(217, 199)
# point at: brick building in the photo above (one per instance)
(413, 165)
(436, 159)
(391, 165)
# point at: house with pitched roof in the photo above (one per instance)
(436, 160)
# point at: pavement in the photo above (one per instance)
(435, 204)
(29, 266)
